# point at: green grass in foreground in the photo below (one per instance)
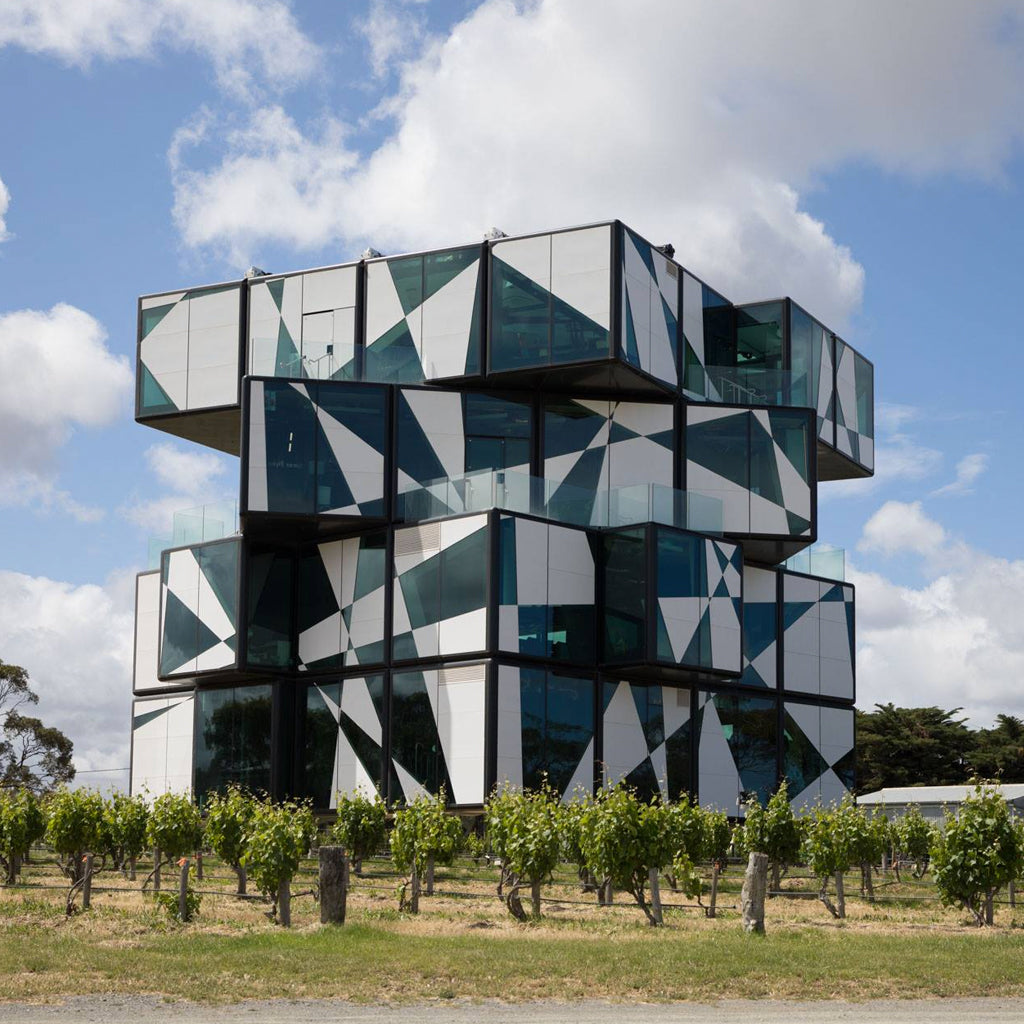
(387, 961)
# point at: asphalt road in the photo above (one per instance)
(146, 1009)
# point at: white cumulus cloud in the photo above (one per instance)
(957, 640)
(189, 478)
(76, 644)
(56, 374)
(699, 124)
(246, 41)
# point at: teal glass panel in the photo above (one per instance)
(520, 320)
(722, 445)
(464, 575)
(719, 334)
(751, 729)
(804, 357)
(270, 575)
(802, 764)
(760, 336)
(864, 382)
(407, 274)
(361, 409)
(320, 742)
(232, 744)
(415, 743)
(625, 595)
(439, 268)
(290, 433)
(557, 725)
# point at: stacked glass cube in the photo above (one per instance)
(513, 512)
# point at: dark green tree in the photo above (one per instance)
(911, 747)
(998, 753)
(32, 755)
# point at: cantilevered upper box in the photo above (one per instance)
(588, 310)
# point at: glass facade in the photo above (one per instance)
(341, 730)
(557, 727)
(270, 606)
(415, 741)
(551, 300)
(449, 580)
(318, 449)
(625, 596)
(749, 726)
(233, 739)
(423, 317)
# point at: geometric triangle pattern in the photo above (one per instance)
(302, 326)
(647, 738)
(650, 308)
(199, 608)
(545, 730)
(188, 350)
(818, 636)
(737, 744)
(818, 753)
(344, 741)
(341, 603)
(423, 316)
(854, 393)
(699, 601)
(440, 591)
(760, 632)
(437, 729)
(593, 446)
(316, 450)
(756, 462)
(546, 590)
(443, 435)
(162, 745)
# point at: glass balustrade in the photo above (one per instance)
(560, 502)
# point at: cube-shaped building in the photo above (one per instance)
(536, 508)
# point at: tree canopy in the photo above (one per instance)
(933, 747)
(32, 755)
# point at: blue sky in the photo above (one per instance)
(865, 159)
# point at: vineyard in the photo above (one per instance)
(84, 900)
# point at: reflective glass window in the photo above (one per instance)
(557, 725)
(464, 575)
(520, 319)
(270, 608)
(625, 596)
(864, 380)
(719, 335)
(751, 729)
(233, 739)
(290, 435)
(759, 336)
(804, 357)
(415, 743)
